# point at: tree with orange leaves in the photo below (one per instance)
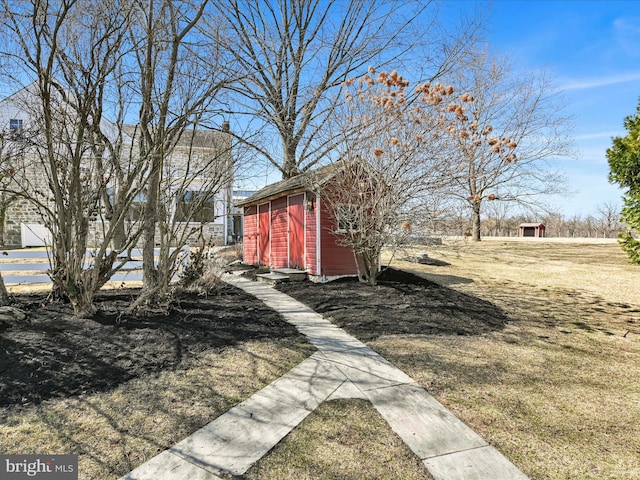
(505, 131)
(393, 155)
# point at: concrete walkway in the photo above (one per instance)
(343, 367)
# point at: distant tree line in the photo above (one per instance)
(604, 223)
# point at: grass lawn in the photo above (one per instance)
(550, 375)
(117, 390)
(341, 439)
(558, 390)
(115, 431)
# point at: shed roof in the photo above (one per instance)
(299, 183)
(532, 225)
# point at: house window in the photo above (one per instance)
(15, 125)
(195, 206)
(348, 218)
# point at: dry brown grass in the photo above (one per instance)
(341, 439)
(557, 390)
(597, 267)
(114, 432)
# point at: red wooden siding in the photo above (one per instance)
(263, 234)
(279, 233)
(336, 260)
(531, 230)
(285, 233)
(251, 235)
(296, 231)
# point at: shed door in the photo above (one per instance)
(251, 235)
(263, 234)
(296, 231)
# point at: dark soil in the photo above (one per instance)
(52, 354)
(401, 304)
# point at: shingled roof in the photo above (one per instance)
(300, 183)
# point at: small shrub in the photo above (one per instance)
(239, 250)
(193, 270)
(203, 273)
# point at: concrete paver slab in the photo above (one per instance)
(426, 426)
(240, 437)
(168, 466)
(272, 278)
(306, 385)
(367, 370)
(333, 339)
(343, 367)
(347, 390)
(484, 463)
(304, 319)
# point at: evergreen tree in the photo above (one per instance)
(624, 166)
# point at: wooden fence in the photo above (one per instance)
(25, 266)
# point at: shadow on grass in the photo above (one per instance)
(116, 431)
(446, 280)
(54, 355)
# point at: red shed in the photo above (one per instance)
(286, 225)
(531, 230)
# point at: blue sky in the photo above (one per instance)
(592, 48)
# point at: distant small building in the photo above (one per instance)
(531, 230)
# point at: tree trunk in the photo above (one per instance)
(4, 295)
(369, 271)
(3, 218)
(120, 240)
(150, 220)
(475, 233)
(373, 274)
(82, 303)
(290, 165)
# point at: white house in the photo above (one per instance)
(183, 178)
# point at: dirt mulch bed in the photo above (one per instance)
(401, 304)
(51, 354)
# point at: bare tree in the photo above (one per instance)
(395, 161)
(297, 53)
(71, 49)
(608, 220)
(590, 226)
(12, 158)
(505, 129)
(179, 72)
(498, 213)
(572, 225)
(554, 223)
(139, 59)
